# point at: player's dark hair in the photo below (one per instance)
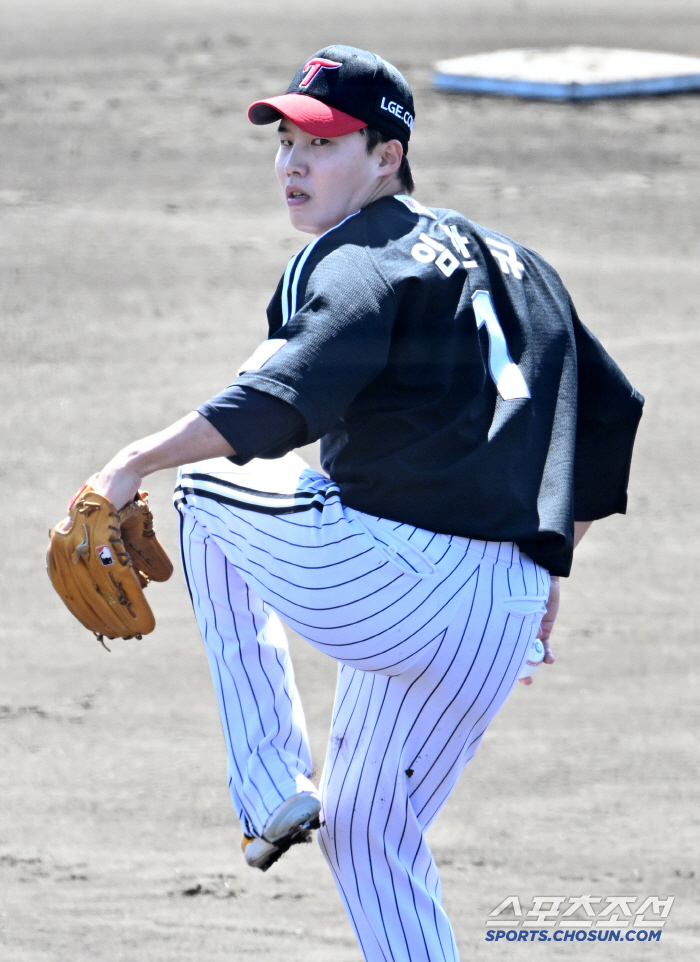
(375, 136)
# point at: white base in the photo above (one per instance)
(569, 73)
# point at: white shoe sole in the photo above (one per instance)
(293, 815)
(290, 824)
(260, 854)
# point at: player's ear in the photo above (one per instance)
(390, 156)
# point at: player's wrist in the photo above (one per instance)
(129, 461)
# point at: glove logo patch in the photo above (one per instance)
(105, 555)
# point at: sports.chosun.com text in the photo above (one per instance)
(574, 935)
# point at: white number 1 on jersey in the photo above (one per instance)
(506, 374)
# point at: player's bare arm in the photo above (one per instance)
(192, 438)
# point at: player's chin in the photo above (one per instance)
(302, 217)
(312, 218)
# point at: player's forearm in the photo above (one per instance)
(192, 438)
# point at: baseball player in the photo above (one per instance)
(471, 429)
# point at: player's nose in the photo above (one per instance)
(294, 163)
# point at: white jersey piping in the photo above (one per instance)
(293, 271)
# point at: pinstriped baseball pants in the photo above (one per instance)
(430, 632)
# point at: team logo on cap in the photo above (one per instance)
(314, 66)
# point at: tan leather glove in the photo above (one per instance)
(100, 560)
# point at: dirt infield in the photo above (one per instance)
(142, 236)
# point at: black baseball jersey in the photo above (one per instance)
(450, 380)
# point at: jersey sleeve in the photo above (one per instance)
(256, 425)
(609, 410)
(334, 344)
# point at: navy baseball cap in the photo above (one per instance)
(341, 90)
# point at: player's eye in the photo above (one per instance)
(320, 141)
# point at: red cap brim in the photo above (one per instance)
(311, 115)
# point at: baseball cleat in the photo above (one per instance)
(290, 824)
(259, 853)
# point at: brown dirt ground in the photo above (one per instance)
(141, 238)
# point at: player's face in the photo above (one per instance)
(326, 179)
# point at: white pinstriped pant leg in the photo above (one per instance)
(261, 713)
(396, 750)
(329, 578)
